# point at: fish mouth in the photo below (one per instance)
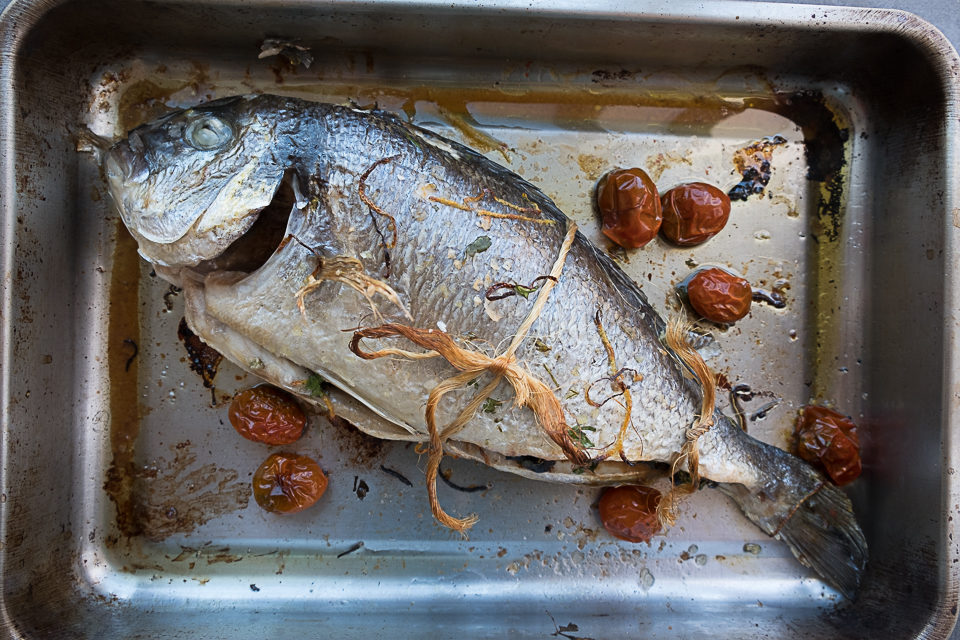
(256, 245)
(124, 164)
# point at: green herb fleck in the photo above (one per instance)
(552, 377)
(577, 434)
(524, 291)
(314, 385)
(541, 346)
(256, 363)
(479, 245)
(412, 140)
(475, 383)
(490, 405)
(578, 470)
(573, 393)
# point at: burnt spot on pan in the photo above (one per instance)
(754, 162)
(825, 141)
(204, 359)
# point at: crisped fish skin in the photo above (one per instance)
(359, 176)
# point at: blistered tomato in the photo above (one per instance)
(288, 483)
(829, 439)
(693, 213)
(268, 415)
(630, 207)
(629, 512)
(719, 296)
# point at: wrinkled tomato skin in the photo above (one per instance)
(629, 512)
(268, 415)
(288, 483)
(629, 207)
(719, 296)
(693, 213)
(828, 439)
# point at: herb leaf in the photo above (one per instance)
(524, 291)
(490, 405)
(314, 385)
(577, 434)
(479, 245)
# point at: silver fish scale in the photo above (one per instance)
(440, 285)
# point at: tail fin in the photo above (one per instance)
(824, 535)
(796, 505)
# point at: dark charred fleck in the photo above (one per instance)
(396, 474)
(774, 298)
(762, 412)
(603, 75)
(445, 476)
(169, 295)
(354, 547)
(532, 463)
(136, 351)
(743, 392)
(204, 359)
(362, 489)
(254, 588)
(753, 163)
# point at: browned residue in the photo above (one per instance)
(164, 497)
(223, 555)
(143, 101)
(657, 164)
(366, 450)
(124, 405)
(176, 496)
(592, 166)
(461, 120)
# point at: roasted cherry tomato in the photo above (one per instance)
(829, 440)
(719, 296)
(268, 415)
(693, 213)
(629, 512)
(630, 207)
(288, 483)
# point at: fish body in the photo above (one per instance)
(435, 225)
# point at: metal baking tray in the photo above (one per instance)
(125, 507)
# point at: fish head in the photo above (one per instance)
(190, 183)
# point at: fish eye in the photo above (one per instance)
(207, 133)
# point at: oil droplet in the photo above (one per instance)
(701, 559)
(753, 548)
(762, 234)
(793, 334)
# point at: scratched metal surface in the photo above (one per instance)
(560, 95)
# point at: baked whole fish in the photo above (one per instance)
(395, 227)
